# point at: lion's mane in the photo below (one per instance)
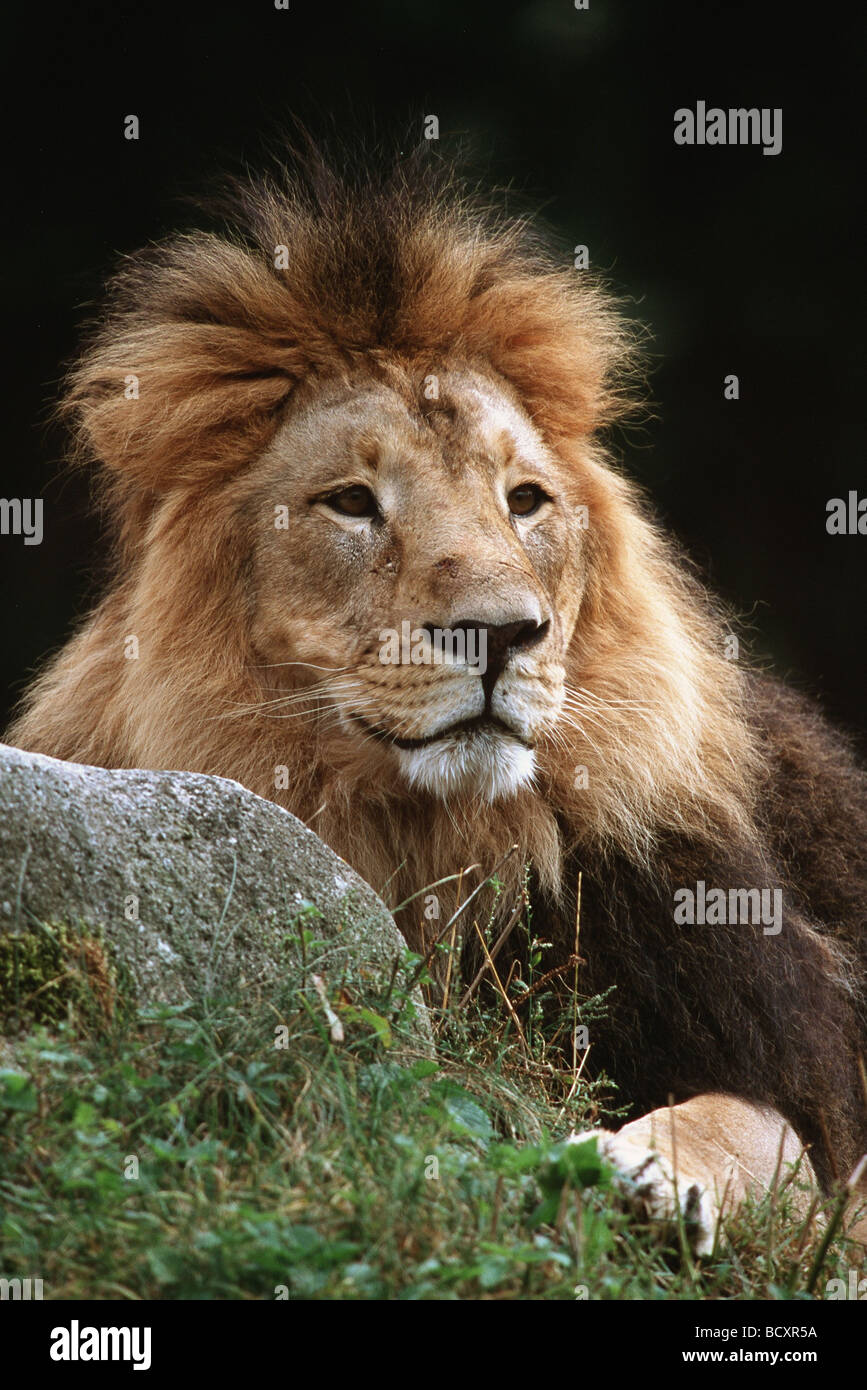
(695, 769)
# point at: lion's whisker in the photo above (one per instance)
(311, 665)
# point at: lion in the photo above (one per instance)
(369, 412)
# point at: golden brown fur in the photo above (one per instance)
(221, 343)
(256, 655)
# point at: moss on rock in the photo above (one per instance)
(53, 971)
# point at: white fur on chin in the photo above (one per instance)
(483, 763)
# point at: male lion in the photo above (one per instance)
(371, 409)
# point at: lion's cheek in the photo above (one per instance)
(563, 576)
(279, 636)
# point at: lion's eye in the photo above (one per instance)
(526, 499)
(353, 501)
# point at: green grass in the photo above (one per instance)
(178, 1153)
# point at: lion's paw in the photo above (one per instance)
(644, 1177)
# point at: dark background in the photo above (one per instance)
(737, 261)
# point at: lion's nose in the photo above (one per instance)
(494, 642)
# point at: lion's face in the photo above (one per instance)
(300, 509)
(418, 572)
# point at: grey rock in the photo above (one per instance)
(194, 881)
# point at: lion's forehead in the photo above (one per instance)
(498, 421)
(458, 416)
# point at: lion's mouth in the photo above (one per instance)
(481, 723)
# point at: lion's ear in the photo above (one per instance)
(185, 374)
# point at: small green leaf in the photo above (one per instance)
(493, 1270)
(464, 1111)
(17, 1092)
(424, 1067)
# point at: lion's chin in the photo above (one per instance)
(482, 763)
